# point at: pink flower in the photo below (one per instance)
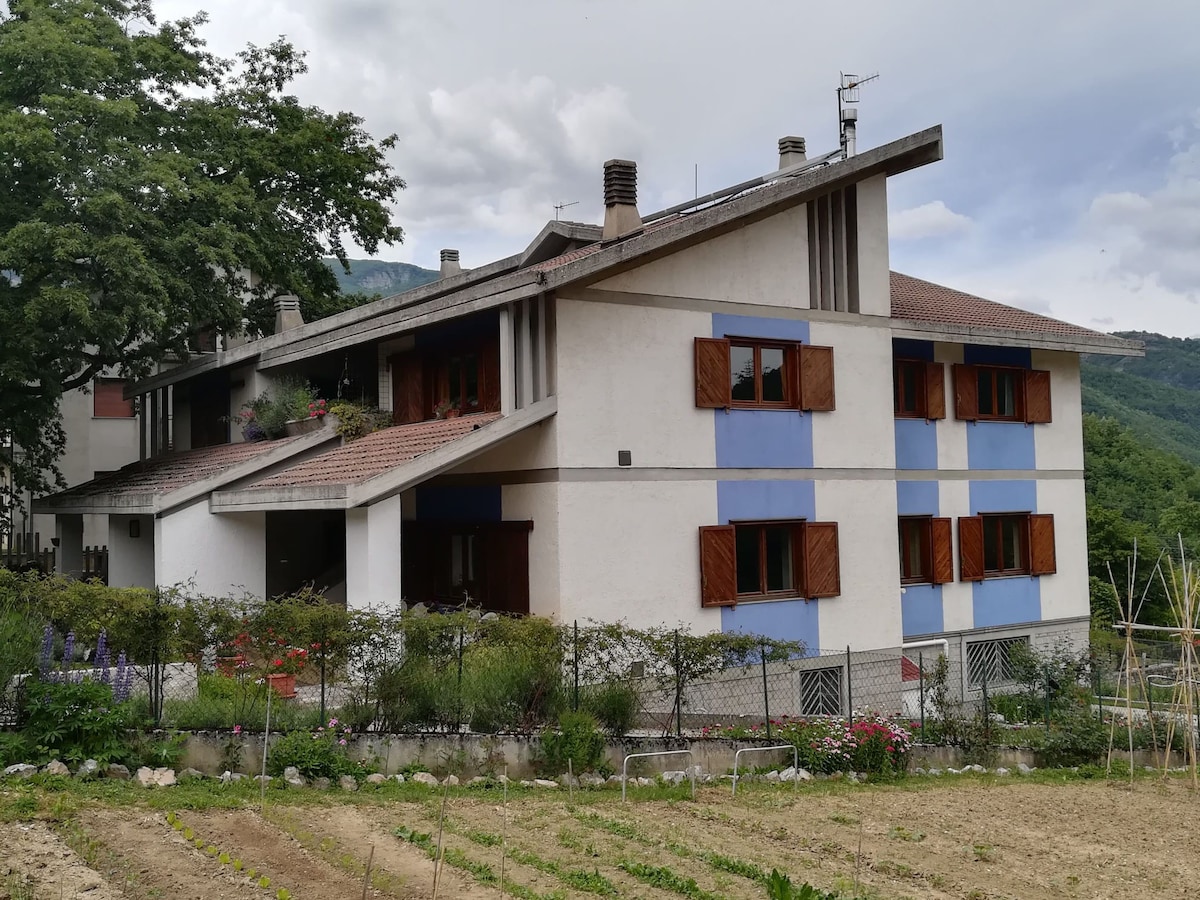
(237, 729)
(342, 742)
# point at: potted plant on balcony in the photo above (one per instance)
(446, 410)
(282, 671)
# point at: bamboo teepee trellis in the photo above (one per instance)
(1183, 594)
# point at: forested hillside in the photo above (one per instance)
(380, 277)
(1142, 452)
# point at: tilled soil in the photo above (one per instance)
(963, 840)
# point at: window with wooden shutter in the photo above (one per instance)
(408, 388)
(943, 551)
(713, 382)
(970, 548)
(1037, 397)
(821, 567)
(935, 390)
(1041, 545)
(816, 378)
(718, 566)
(108, 401)
(966, 392)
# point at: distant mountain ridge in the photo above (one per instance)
(377, 276)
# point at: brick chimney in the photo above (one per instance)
(791, 151)
(621, 214)
(450, 264)
(287, 313)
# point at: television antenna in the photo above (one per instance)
(847, 93)
(559, 207)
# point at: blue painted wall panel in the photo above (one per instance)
(921, 609)
(459, 503)
(979, 355)
(788, 620)
(916, 444)
(917, 498)
(760, 327)
(763, 438)
(752, 500)
(1000, 445)
(1003, 496)
(1007, 601)
(905, 348)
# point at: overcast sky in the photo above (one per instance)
(1071, 183)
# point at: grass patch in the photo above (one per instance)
(579, 879)
(667, 880)
(481, 872)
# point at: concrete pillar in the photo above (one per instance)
(508, 384)
(525, 352)
(68, 556)
(541, 389)
(373, 554)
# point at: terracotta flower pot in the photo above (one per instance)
(303, 426)
(283, 684)
(453, 413)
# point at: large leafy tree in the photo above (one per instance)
(143, 179)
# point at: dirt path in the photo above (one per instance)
(33, 856)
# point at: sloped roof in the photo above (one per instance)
(375, 453)
(916, 300)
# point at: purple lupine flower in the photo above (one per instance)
(68, 651)
(127, 687)
(121, 682)
(100, 663)
(47, 659)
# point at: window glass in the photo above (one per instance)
(746, 548)
(1006, 389)
(991, 546)
(779, 557)
(987, 405)
(741, 373)
(908, 388)
(772, 374)
(1011, 533)
(912, 550)
(455, 379)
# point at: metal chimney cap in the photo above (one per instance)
(286, 301)
(620, 182)
(849, 114)
(792, 144)
(449, 255)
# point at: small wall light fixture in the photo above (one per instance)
(135, 528)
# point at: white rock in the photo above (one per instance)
(674, 777)
(591, 779)
(568, 780)
(615, 779)
(190, 774)
(164, 777)
(321, 783)
(644, 782)
(788, 774)
(376, 778)
(693, 772)
(398, 778)
(55, 767)
(118, 771)
(935, 772)
(348, 783)
(1002, 771)
(804, 775)
(773, 777)
(477, 780)
(451, 780)
(145, 777)
(424, 778)
(1024, 769)
(293, 778)
(544, 783)
(20, 770)
(87, 769)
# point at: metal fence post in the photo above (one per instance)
(987, 716)
(678, 690)
(766, 692)
(849, 688)
(921, 670)
(575, 665)
(1047, 700)
(458, 692)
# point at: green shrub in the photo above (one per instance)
(75, 720)
(156, 750)
(355, 420)
(1075, 740)
(416, 695)
(615, 705)
(511, 687)
(576, 741)
(13, 749)
(318, 754)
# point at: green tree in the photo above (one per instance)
(144, 177)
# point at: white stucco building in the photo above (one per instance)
(730, 415)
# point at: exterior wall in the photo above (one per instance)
(856, 434)
(539, 503)
(253, 383)
(373, 554)
(874, 267)
(765, 262)
(216, 555)
(130, 559)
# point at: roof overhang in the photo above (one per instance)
(159, 502)
(503, 282)
(400, 478)
(1104, 345)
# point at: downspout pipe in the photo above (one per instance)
(934, 642)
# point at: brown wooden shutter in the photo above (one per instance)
(489, 375)
(816, 378)
(1037, 397)
(935, 391)
(718, 566)
(714, 390)
(966, 392)
(821, 568)
(970, 548)
(505, 582)
(1041, 545)
(941, 550)
(408, 388)
(107, 400)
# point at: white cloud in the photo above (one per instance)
(933, 219)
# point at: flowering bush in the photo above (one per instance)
(319, 754)
(288, 663)
(872, 744)
(267, 415)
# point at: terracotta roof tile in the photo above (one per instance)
(924, 301)
(580, 252)
(168, 472)
(376, 453)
